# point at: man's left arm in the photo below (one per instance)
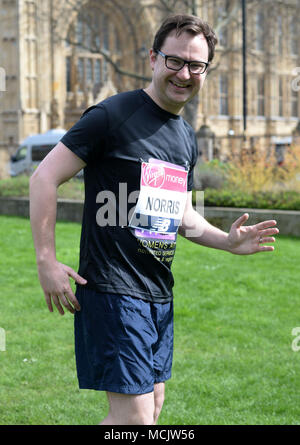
(241, 240)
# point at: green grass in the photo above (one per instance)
(233, 361)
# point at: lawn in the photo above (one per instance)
(233, 357)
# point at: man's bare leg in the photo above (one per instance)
(159, 397)
(130, 409)
(135, 409)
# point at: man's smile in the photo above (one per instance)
(179, 85)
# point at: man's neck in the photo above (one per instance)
(150, 91)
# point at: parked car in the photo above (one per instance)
(33, 150)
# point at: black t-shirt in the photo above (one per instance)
(114, 138)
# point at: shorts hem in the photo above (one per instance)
(162, 378)
(122, 389)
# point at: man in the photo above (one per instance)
(134, 144)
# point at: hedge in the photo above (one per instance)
(283, 200)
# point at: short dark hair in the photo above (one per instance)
(185, 23)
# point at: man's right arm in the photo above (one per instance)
(60, 165)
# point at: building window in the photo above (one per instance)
(280, 97)
(280, 34)
(260, 96)
(80, 73)
(88, 36)
(294, 36)
(68, 74)
(222, 12)
(294, 104)
(260, 31)
(96, 31)
(89, 71)
(105, 32)
(97, 75)
(104, 69)
(117, 43)
(223, 93)
(79, 32)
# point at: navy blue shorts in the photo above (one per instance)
(122, 344)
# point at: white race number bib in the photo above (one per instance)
(162, 198)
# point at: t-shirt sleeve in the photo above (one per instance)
(87, 138)
(193, 163)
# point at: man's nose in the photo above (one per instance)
(184, 73)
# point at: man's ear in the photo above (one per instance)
(153, 56)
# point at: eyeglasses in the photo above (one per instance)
(176, 64)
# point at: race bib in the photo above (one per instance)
(162, 198)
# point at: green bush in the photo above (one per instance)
(284, 200)
(210, 175)
(19, 187)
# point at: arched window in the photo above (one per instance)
(223, 92)
(260, 95)
(280, 34)
(221, 12)
(91, 36)
(294, 104)
(294, 36)
(280, 96)
(260, 31)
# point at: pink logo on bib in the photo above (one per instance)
(154, 175)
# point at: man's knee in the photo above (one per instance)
(159, 397)
(131, 417)
(131, 410)
(142, 418)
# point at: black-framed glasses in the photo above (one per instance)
(176, 64)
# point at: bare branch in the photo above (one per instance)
(231, 16)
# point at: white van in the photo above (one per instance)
(32, 151)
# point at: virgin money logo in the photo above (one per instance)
(154, 175)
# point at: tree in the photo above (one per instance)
(132, 14)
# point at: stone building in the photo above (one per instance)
(57, 58)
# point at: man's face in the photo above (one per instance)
(171, 90)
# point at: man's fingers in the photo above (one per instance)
(268, 232)
(240, 221)
(57, 304)
(71, 297)
(266, 224)
(67, 300)
(48, 301)
(267, 239)
(64, 300)
(260, 226)
(57, 288)
(266, 249)
(78, 279)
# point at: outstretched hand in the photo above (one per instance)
(246, 240)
